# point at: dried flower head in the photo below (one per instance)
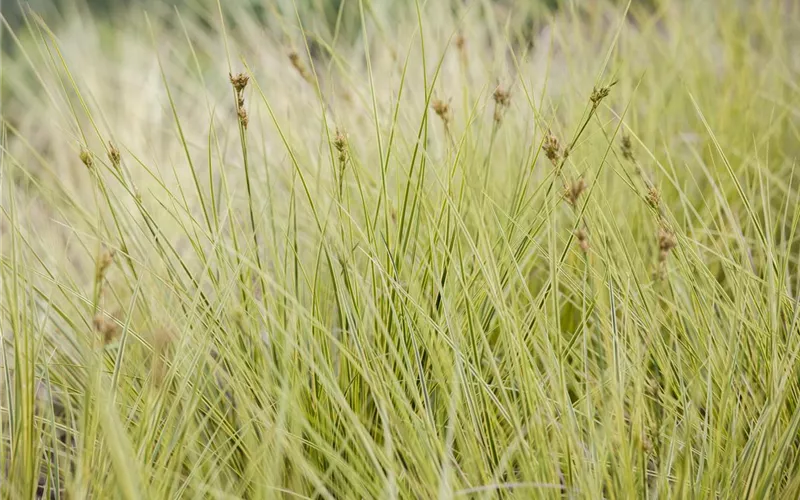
(106, 327)
(627, 147)
(86, 157)
(299, 66)
(340, 143)
(113, 155)
(599, 94)
(574, 191)
(583, 239)
(551, 147)
(502, 100)
(460, 42)
(501, 96)
(461, 45)
(666, 242)
(239, 81)
(443, 110)
(653, 197)
(243, 116)
(104, 261)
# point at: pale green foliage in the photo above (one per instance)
(583, 284)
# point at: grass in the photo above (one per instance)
(438, 250)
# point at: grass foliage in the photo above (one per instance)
(439, 249)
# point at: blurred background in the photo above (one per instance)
(12, 9)
(53, 10)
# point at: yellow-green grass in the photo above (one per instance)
(420, 250)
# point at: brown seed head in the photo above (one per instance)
(583, 239)
(243, 116)
(501, 96)
(574, 191)
(654, 197)
(551, 147)
(442, 109)
(460, 42)
(340, 143)
(107, 328)
(113, 154)
(627, 148)
(666, 242)
(104, 261)
(299, 65)
(599, 94)
(502, 99)
(239, 81)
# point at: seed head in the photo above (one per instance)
(551, 147)
(299, 65)
(107, 328)
(627, 148)
(340, 143)
(599, 94)
(666, 242)
(86, 157)
(461, 45)
(501, 96)
(443, 110)
(573, 192)
(583, 239)
(239, 81)
(104, 261)
(243, 116)
(502, 100)
(461, 42)
(113, 154)
(654, 197)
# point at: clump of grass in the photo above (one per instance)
(334, 306)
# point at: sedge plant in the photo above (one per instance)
(401, 250)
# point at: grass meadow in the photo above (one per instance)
(403, 250)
